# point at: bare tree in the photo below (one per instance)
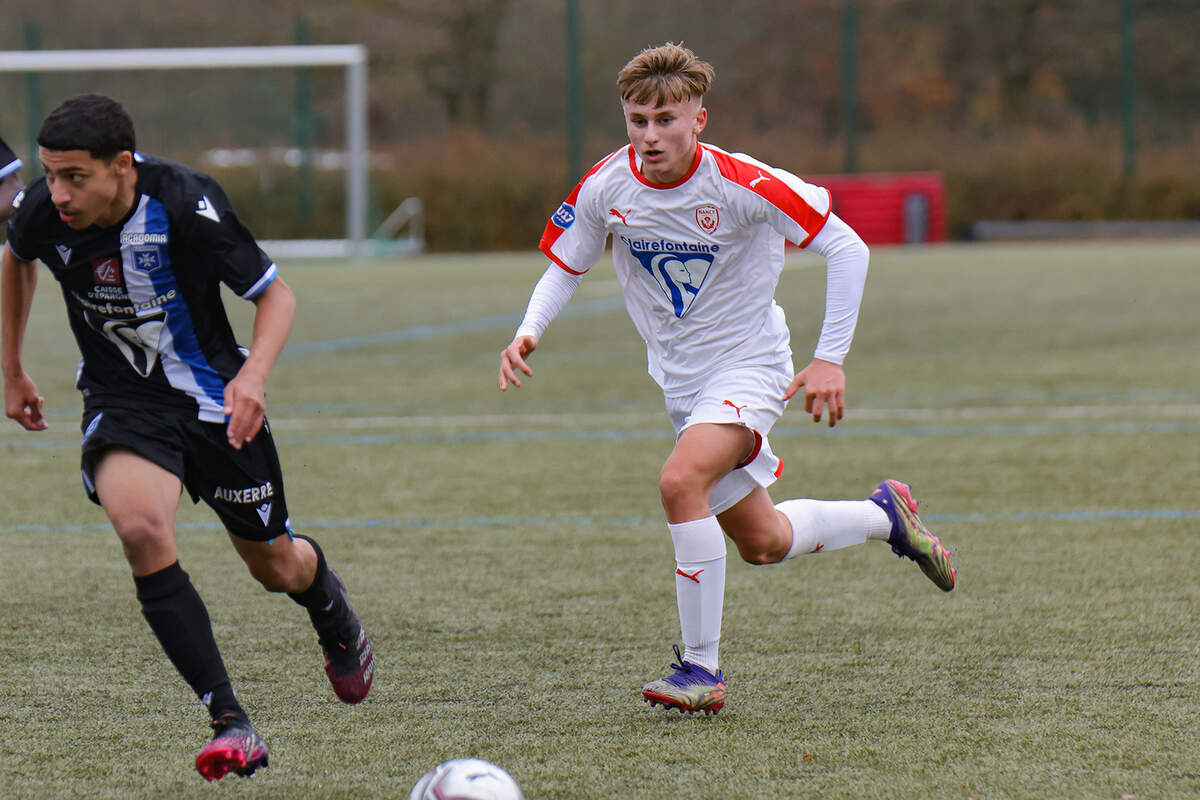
(461, 70)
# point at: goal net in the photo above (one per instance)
(283, 129)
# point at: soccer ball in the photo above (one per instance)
(466, 779)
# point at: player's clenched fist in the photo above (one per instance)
(23, 403)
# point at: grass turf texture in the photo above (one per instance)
(508, 555)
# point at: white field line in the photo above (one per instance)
(64, 425)
(796, 413)
(639, 423)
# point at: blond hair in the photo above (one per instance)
(665, 74)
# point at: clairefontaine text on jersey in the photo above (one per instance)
(110, 309)
(667, 246)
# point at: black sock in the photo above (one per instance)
(324, 600)
(180, 621)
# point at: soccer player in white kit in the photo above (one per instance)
(698, 245)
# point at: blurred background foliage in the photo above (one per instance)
(1018, 103)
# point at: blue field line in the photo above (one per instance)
(779, 432)
(423, 332)
(616, 522)
(1017, 429)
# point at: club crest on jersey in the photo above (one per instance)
(147, 259)
(106, 272)
(708, 217)
(565, 216)
(679, 268)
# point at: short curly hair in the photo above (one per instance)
(91, 122)
(665, 74)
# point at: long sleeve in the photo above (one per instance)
(846, 258)
(549, 297)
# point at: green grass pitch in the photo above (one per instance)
(508, 555)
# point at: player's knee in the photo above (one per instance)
(758, 556)
(677, 484)
(141, 530)
(761, 547)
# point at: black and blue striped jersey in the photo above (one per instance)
(143, 296)
(9, 162)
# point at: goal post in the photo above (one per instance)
(351, 57)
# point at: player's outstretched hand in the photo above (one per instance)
(512, 358)
(824, 390)
(23, 403)
(245, 407)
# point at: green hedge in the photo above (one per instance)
(484, 195)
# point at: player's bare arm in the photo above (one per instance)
(18, 279)
(512, 360)
(245, 395)
(824, 390)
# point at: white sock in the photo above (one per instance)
(819, 526)
(700, 587)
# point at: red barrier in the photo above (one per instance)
(889, 207)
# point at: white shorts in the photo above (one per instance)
(751, 396)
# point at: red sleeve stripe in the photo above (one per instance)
(822, 217)
(774, 191)
(550, 254)
(552, 232)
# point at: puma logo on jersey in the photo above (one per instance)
(758, 180)
(620, 216)
(204, 208)
(734, 406)
(695, 576)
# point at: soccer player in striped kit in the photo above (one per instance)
(140, 246)
(10, 180)
(698, 244)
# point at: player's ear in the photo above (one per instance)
(701, 120)
(123, 162)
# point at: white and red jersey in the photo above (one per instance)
(698, 260)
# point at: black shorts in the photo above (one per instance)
(244, 487)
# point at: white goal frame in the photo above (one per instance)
(353, 57)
